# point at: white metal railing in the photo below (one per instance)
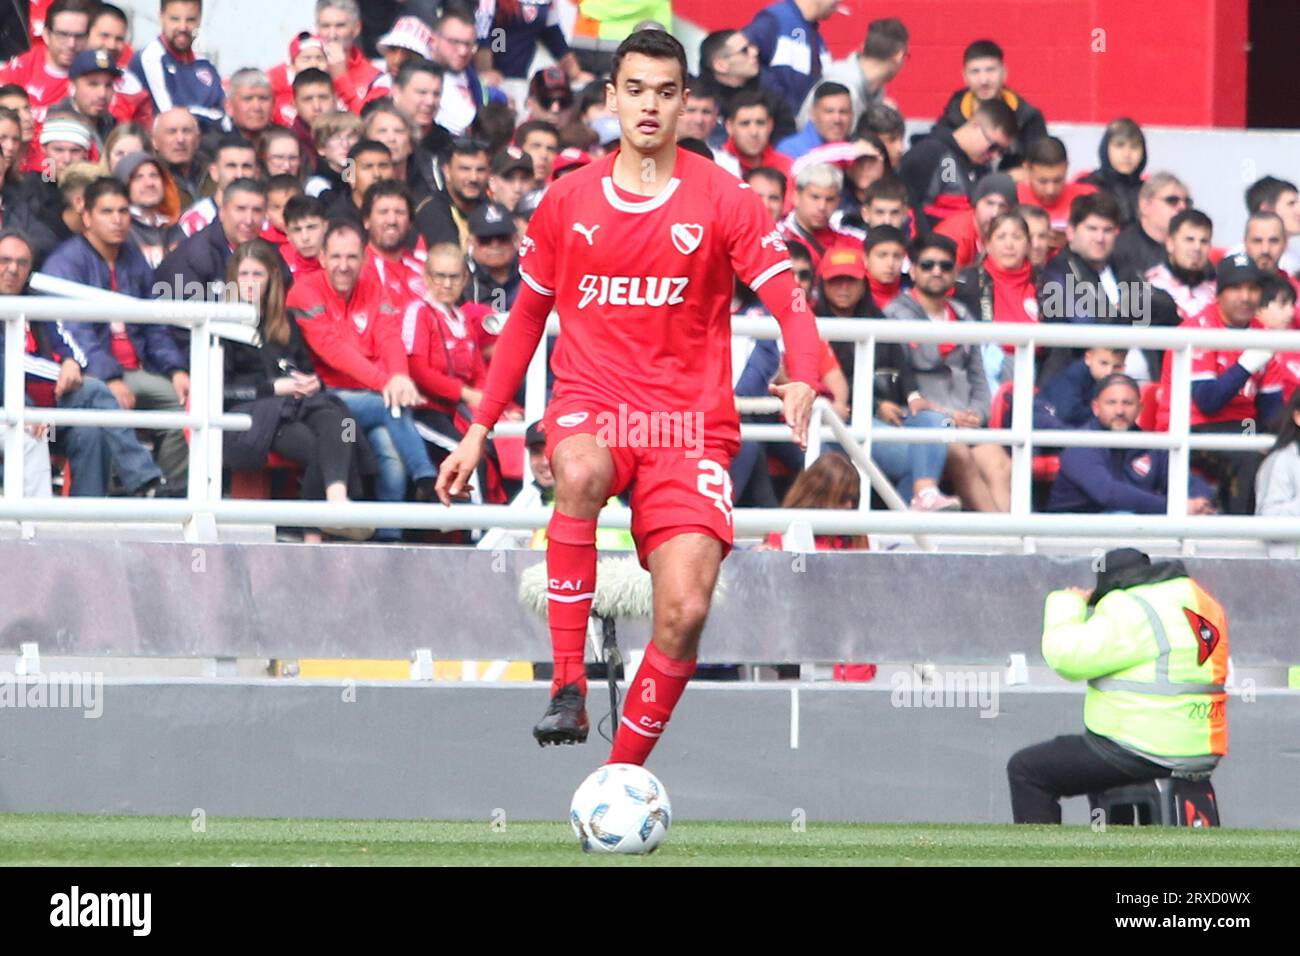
(208, 420)
(208, 322)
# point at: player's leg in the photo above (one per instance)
(584, 473)
(683, 569)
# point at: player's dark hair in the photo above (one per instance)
(383, 189)
(880, 235)
(711, 47)
(1046, 151)
(303, 207)
(232, 141)
(886, 38)
(70, 6)
(982, 50)
(656, 44)
(13, 89)
(1100, 204)
(164, 4)
(798, 250)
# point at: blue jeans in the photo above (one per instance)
(397, 445)
(94, 453)
(903, 464)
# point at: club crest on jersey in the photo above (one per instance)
(572, 420)
(1142, 465)
(360, 320)
(687, 236)
(632, 290)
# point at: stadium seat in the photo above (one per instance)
(257, 484)
(1169, 802)
(1046, 466)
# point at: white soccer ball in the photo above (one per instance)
(621, 808)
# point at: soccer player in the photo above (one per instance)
(638, 253)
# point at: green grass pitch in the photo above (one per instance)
(66, 840)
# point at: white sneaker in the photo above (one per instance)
(933, 500)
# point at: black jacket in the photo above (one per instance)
(928, 169)
(1135, 251)
(16, 213)
(1124, 187)
(1029, 121)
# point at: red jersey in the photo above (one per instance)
(131, 101)
(298, 266)
(46, 85)
(355, 343)
(643, 286)
(1282, 373)
(361, 83)
(1059, 211)
(961, 229)
(1208, 365)
(821, 242)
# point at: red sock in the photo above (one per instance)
(571, 580)
(651, 698)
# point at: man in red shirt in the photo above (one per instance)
(338, 24)
(355, 337)
(43, 70)
(1232, 390)
(639, 252)
(1046, 166)
(304, 227)
(749, 134)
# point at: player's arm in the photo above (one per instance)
(514, 350)
(784, 298)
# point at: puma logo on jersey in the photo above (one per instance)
(587, 232)
(687, 236)
(632, 290)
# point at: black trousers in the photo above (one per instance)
(1233, 470)
(1070, 766)
(317, 440)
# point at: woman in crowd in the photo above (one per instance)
(275, 384)
(387, 124)
(1001, 287)
(444, 341)
(280, 153)
(155, 204)
(1277, 486)
(126, 138)
(14, 212)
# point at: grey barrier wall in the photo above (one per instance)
(750, 752)
(253, 600)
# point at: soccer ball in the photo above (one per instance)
(621, 808)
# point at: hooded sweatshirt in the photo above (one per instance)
(1123, 186)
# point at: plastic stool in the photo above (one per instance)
(1167, 801)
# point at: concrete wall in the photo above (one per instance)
(292, 749)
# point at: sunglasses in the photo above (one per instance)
(929, 265)
(1176, 200)
(465, 144)
(803, 275)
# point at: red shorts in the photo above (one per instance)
(679, 483)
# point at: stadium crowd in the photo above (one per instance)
(371, 194)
